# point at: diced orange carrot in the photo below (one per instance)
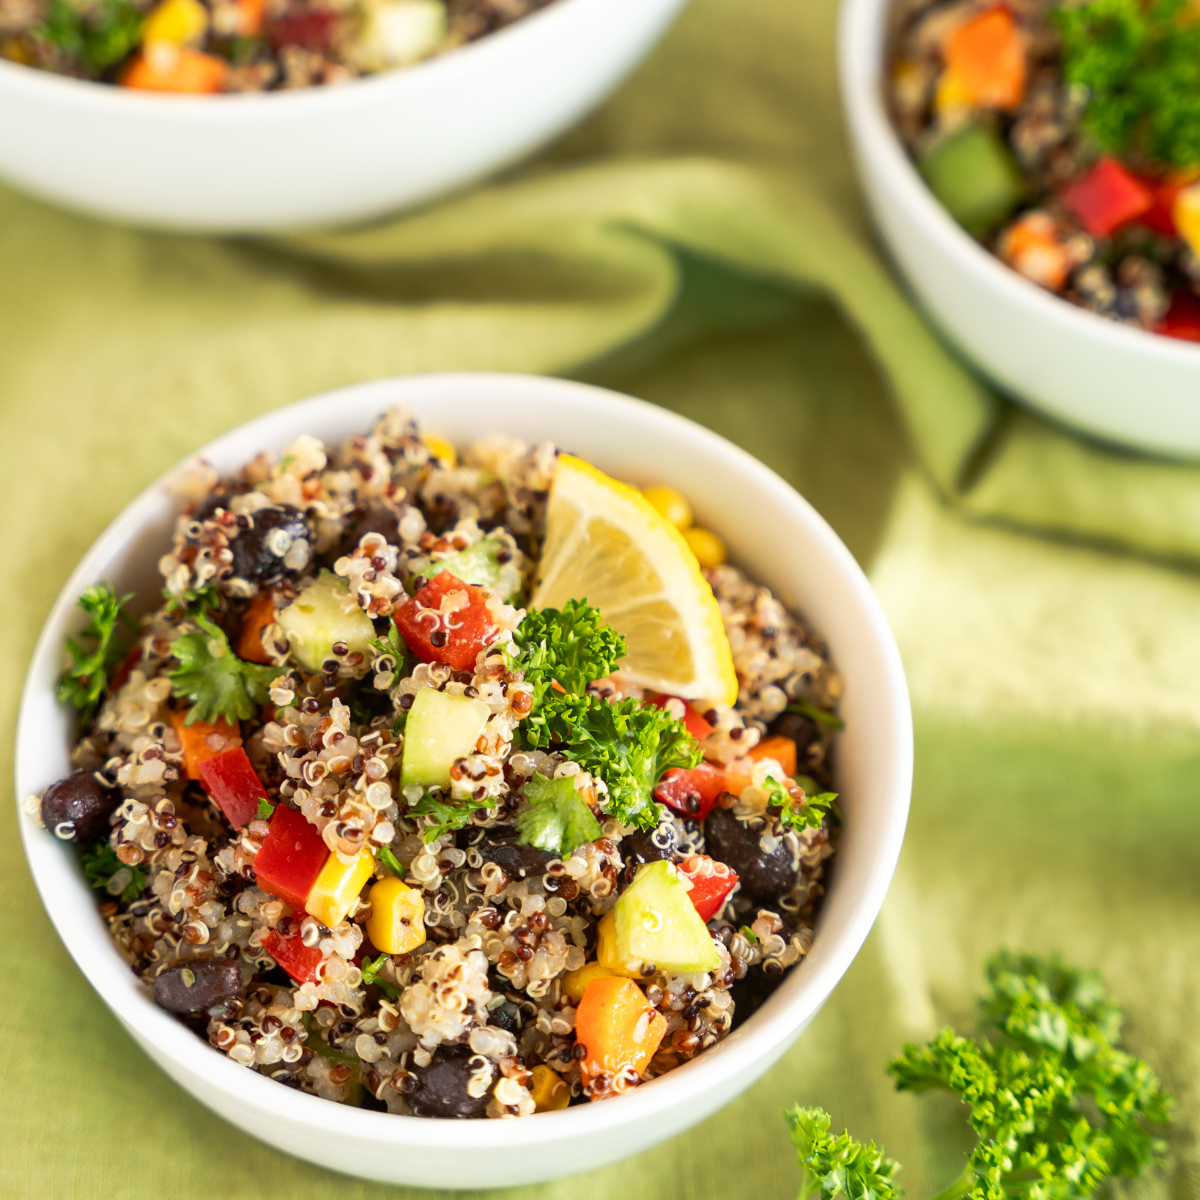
(618, 1027)
(250, 15)
(987, 60)
(781, 749)
(167, 67)
(202, 741)
(259, 615)
(1031, 245)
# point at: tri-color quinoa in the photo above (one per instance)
(445, 955)
(206, 46)
(1066, 138)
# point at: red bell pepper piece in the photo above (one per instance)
(234, 786)
(297, 959)
(693, 722)
(711, 884)
(292, 856)
(1160, 216)
(447, 621)
(311, 28)
(1107, 197)
(691, 792)
(1182, 319)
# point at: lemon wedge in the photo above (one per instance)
(605, 544)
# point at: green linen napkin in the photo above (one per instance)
(697, 242)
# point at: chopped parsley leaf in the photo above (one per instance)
(217, 682)
(448, 814)
(85, 682)
(370, 974)
(392, 863)
(100, 864)
(558, 818)
(266, 810)
(808, 816)
(822, 716)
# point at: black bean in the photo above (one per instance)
(801, 729)
(500, 846)
(644, 846)
(763, 877)
(77, 808)
(441, 1089)
(507, 1016)
(202, 983)
(254, 550)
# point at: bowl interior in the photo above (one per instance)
(775, 536)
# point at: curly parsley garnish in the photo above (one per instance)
(629, 745)
(1056, 1106)
(558, 818)
(218, 683)
(85, 682)
(448, 814)
(809, 815)
(1140, 64)
(100, 864)
(96, 36)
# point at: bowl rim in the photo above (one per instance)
(862, 45)
(398, 82)
(764, 1032)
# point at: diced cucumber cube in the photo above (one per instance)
(439, 729)
(657, 923)
(321, 616)
(973, 174)
(479, 564)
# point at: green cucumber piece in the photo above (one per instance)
(657, 923)
(322, 615)
(974, 175)
(439, 729)
(478, 564)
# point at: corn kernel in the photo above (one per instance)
(574, 983)
(606, 951)
(1186, 214)
(951, 95)
(397, 921)
(706, 546)
(549, 1092)
(183, 22)
(338, 886)
(668, 503)
(440, 448)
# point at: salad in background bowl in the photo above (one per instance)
(526, 829)
(1032, 168)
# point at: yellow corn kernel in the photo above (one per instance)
(397, 921)
(667, 502)
(706, 546)
(183, 22)
(606, 950)
(1186, 214)
(574, 983)
(951, 96)
(337, 887)
(548, 1090)
(440, 448)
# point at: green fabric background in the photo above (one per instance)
(698, 242)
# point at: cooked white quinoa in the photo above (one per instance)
(482, 996)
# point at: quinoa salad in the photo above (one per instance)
(377, 826)
(209, 46)
(1066, 138)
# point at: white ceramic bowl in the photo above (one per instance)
(775, 535)
(324, 155)
(1113, 381)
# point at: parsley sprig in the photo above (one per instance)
(85, 682)
(627, 744)
(218, 683)
(1057, 1107)
(1140, 64)
(448, 814)
(100, 864)
(95, 36)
